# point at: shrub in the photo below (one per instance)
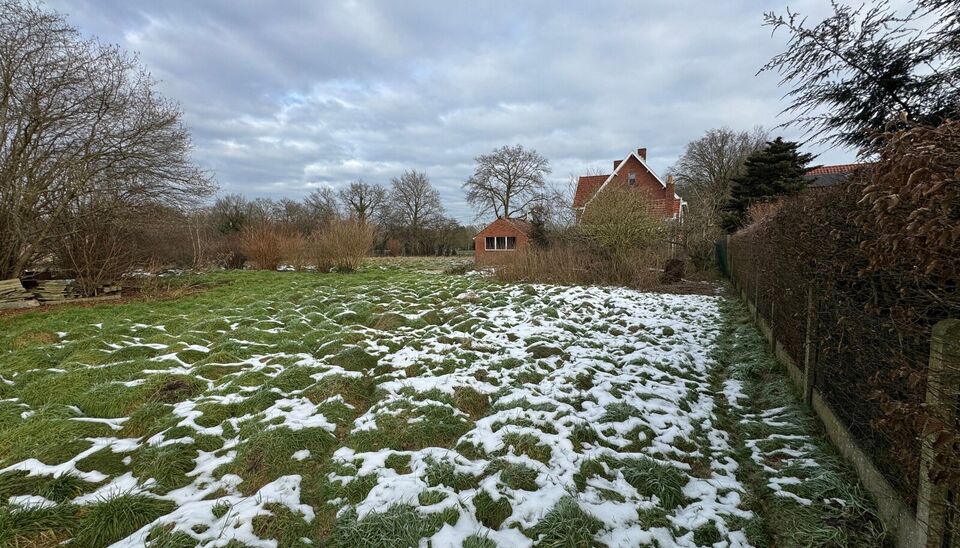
(569, 261)
(342, 245)
(618, 222)
(621, 240)
(262, 243)
(294, 250)
(96, 248)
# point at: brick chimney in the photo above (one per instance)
(642, 152)
(616, 164)
(671, 186)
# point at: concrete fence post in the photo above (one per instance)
(773, 337)
(756, 290)
(938, 505)
(729, 257)
(810, 347)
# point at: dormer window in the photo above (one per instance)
(632, 178)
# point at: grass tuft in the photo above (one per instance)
(167, 464)
(567, 525)
(650, 478)
(490, 512)
(112, 519)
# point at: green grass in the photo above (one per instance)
(168, 465)
(112, 519)
(25, 527)
(567, 525)
(395, 527)
(335, 350)
(515, 476)
(445, 473)
(743, 354)
(267, 452)
(491, 512)
(411, 429)
(653, 479)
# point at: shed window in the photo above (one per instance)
(500, 243)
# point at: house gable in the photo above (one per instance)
(632, 172)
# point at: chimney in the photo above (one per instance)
(642, 152)
(616, 164)
(671, 186)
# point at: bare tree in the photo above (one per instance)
(230, 213)
(364, 201)
(80, 124)
(414, 207)
(703, 174)
(507, 182)
(322, 203)
(704, 171)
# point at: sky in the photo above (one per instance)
(284, 97)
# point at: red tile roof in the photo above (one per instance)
(586, 186)
(521, 224)
(839, 168)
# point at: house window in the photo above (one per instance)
(500, 243)
(632, 178)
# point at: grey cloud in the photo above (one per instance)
(284, 97)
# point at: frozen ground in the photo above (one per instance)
(391, 408)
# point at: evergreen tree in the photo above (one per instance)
(778, 169)
(538, 226)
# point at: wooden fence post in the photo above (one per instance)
(938, 504)
(810, 347)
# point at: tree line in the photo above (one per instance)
(407, 217)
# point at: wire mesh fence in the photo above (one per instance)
(871, 334)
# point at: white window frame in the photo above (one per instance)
(500, 243)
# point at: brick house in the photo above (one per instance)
(632, 172)
(501, 239)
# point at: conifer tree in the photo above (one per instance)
(778, 169)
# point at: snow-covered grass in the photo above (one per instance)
(388, 407)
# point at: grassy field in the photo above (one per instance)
(400, 404)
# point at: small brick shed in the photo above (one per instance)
(501, 239)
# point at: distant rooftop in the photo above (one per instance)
(831, 175)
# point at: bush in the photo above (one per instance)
(573, 262)
(619, 222)
(341, 246)
(294, 250)
(262, 243)
(96, 249)
(621, 240)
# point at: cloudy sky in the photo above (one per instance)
(283, 97)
